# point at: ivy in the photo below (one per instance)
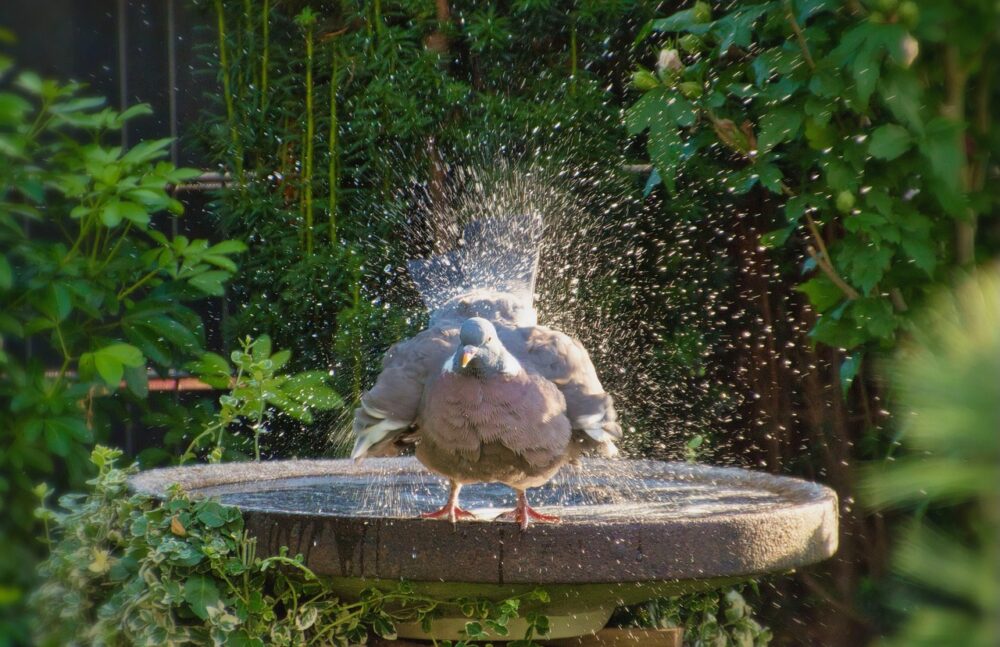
(130, 569)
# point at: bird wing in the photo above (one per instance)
(564, 361)
(390, 407)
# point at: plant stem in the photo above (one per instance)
(332, 145)
(356, 368)
(110, 256)
(138, 284)
(310, 132)
(266, 22)
(822, 259)
(956, 79)
(378, 17)
(572, 55)
(252, 73)
(799, 36)
(227, 92)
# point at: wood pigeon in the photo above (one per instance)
(484, 394)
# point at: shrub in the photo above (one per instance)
(948, 470)
(92, 293)
(127, 570)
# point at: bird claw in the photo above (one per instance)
(526, 515)
(449, 512)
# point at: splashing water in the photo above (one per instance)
(609, 272)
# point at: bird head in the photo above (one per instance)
(480, 352)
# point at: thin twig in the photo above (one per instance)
(827, 269)
(799, 36)
(822, 259)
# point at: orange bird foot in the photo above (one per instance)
(525, 514)
(450, 512)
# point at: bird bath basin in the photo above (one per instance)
(631, 530)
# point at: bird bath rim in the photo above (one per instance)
(589, 566)
(800, 528)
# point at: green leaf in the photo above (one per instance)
(736, 27)
(116, 210)
(110, 361)
(125, 353)
(173, 331)
(383, 627)
(13, 108)
(62, 432)
(866, 262)
(146, 151)
(211, 283)
(901, 92)
(137, 381)
(770, 178)
(922, 251)
(778, 126)
(889, 142)
(212, 369)
(212, 514)
(55, 302)
(826, 84)
(820, 136)
(659, 107)
(29, 82)
(822, 292)
(6, 274)
(138, 110)
(875, 315)
(776, 238)
(201, 592)
(775, 61)
(227, 247)
(665, 152)
(684, 20)
(944, 148)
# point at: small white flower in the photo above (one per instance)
(669, 60)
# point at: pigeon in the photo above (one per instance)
(485, 394)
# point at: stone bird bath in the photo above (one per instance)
(632, 530)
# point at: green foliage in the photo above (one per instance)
(131, 570)
(92, 294)
(950, 469)
(711, 619)
(366, 111)
(823, 106)
(258, 391)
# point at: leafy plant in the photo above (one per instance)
(399, 122)
(821, 105)
(709, 619)
(846, 147)
(949, 469)
(92, 294)
(129, 569)
(258, 391)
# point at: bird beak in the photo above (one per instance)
(467, 354)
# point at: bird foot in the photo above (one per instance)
(450, 512)
(525, 515)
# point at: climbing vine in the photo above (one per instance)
(876, 179)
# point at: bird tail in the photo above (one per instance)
(496, 254)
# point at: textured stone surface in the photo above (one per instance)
(690, 523)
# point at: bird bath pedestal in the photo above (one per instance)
(631, 530)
